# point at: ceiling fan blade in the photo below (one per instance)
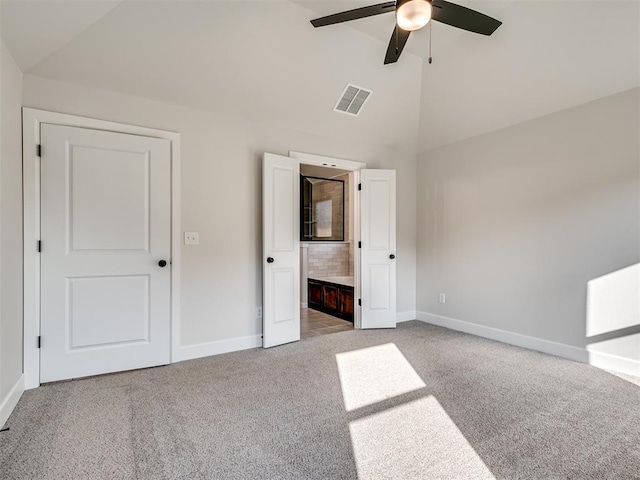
(463, 17)
(354, 14)
(396, 44)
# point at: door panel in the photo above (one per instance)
(330, 298)
(378, 233)
(379, 214)
(346, 304)
(108, 211)
(105, 224)
(379, 287)
(283, 286)
(107, 310)
(315, 295)
(281, 250)
(283, 208)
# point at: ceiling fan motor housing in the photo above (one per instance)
(399, 3)
(413, 15)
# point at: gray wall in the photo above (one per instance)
(10, 223)
(221, 198)
(514, 224)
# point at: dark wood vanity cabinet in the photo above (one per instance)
(331, 298)
(345, 303)
(314, 290)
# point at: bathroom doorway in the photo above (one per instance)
(372, 203)
(327, 250)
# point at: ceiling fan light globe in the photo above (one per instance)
(413, 14)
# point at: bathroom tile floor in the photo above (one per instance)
(314, 323)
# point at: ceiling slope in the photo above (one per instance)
(547, 56)
(34, 29)
(255, 60)
(263, 61)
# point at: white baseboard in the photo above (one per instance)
(11, 400)
(504, 336)
(405, 316)
(606, 361)
(207, 349)
(304, 305)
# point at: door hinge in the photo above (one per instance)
(39, 246)
(359, 186)
(359, 302)
(359, 244)
(39, 341)
(38, 150)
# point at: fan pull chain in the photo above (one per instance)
(430, 57)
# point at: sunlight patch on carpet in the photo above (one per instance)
(416, 440)
(374, 374)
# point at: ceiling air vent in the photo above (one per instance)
(352, 100)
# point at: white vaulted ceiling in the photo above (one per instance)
(34, 29)
(547, 56)
(255, 60)
(263, 61)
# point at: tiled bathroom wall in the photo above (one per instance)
(328, 259)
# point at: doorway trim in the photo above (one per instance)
(31, 121)
(323, 161)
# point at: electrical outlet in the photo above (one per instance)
(258, 312)
(443, 298)
(191, 238)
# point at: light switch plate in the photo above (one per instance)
(191, 238)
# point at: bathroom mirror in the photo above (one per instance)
(321, 209)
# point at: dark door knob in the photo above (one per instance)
(270, 260)
(392, 256)
(162, 263)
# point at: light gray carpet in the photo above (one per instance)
(486, 410)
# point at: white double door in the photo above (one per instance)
(281, 249)
(105, 260)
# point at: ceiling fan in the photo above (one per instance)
(412, 15)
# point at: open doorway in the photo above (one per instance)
(373, 201)
(327, 251)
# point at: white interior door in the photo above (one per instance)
(281, 250)
(105, 229)
(377, 260)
